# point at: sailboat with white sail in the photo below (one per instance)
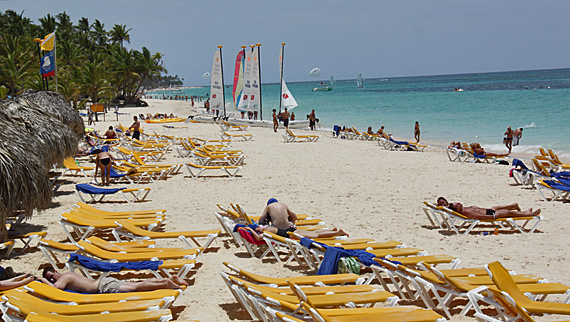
(251, 96)
(325, 87)
(359, 81)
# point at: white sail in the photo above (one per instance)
(287, 99)
(332, 81)
(217, 85)
(248, 80)
(254, 98)
(359, 81)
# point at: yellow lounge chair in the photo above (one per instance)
(139, 316)
(289, 137)
(196, 170)
(243, 137)
(51, 293)
(93, 250)
(25, 301)
(127, 230)
(71, 166)
(504, 282)
(78, 226)
(91, 209)
(25, 238)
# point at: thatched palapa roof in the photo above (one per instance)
(33, 137)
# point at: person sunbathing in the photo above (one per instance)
(507, 211)
(10, 280)
(454, 144)
(480, 151)
(78, 283)
(257, 233)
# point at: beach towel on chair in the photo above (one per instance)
(100, 266)
(247, 235)
(519, 163)
(115, 174)
(399, 142)
(89, 189)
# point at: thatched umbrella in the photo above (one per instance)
(32, 139)
(56, 106)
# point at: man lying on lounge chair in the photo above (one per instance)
(78, 283)
(508, 211)
(319, 233)
(480, 151)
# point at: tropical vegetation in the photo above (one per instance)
(92, 62)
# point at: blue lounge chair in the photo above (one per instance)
(97, 194)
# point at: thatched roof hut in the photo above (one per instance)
(31, 141)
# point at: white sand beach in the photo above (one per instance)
(354, 185)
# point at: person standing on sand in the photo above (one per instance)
(136, 128)
(509, 139)
(417, 132)
(103, 161)
(312, 119)
(285, 116)
(275, 122)
(517, 136)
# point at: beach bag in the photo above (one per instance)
(347, 265)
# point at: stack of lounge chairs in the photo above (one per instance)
(92, 255)
(396, 272)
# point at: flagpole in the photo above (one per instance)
(281, 73)
(37, 41)
(223, 86)
(55, 61)
(259, 81)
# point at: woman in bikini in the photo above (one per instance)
(104, 161)
(512, 210)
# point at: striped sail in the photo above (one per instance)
(255, 95)
(248, 80)
(217, 86)
(238, 79)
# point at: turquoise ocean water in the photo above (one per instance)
(538, 101)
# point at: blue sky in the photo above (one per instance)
(378, 38)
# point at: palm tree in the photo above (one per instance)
(48, 24)
(150, 66)
(98, 34)
(94, 79)
(120, 33)
(64, 25)
(125, 72)
(83, 26)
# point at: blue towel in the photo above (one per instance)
(307, 242)
(479, 156)
(115, 174)
(329, 265)
(517, 162)
(565, 181)
(557, 185)
(87, 188)
(562, 174)
(399, 142)
(100, 266)
(252, 226)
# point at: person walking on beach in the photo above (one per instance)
(275, 122)
(517, 136)
(417, 132)
(90, 117)
(312, 119)
(509, 139)
(136, 128)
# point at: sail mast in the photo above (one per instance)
(259, 81)
(281, 73)
(223, 89)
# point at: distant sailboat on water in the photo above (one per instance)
(359, 81)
